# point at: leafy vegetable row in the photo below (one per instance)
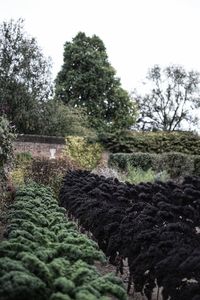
(45, 257)
(155, 226)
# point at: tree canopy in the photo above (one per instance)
(7, 136)
(173, 96)
(25, 80)
(60, 120)
(88, 80)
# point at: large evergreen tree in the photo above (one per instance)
(88, 80)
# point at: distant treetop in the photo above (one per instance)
(88, 80)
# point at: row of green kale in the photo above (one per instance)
(45, 257)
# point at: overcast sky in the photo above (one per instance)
(136, 33)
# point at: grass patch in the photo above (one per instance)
(137, 175)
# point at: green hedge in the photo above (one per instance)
(176, 164)
(152, 142)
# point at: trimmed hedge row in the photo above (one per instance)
(152, 142)
(46, 258)
(176, 164)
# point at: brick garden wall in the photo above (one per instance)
(39, 146)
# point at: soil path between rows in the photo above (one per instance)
(108, 268)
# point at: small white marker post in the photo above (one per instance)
(52, 153)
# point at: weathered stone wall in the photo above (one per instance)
(39, 146)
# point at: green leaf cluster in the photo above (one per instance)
(88, 80)
(6, 138)
(45, 257)
(59, 119)
(25, 81)
(152, 142)
(84, 152)
(174, 163)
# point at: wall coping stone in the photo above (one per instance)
(40, 139)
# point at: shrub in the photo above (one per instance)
(175, 164)
(152, 142)
(84, 152)
(6, 138)
(6, 155)
(40, 170)
(139, 160)
(48, 171)
(137, 175)
(23, 158)
(17, 176)
(22, 161)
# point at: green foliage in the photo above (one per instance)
(22, 161)
(137, 175)
(139, 160)
(17, 176)
(85, 153)
(64, 285)
(174, 164)
(40, 170)
(61, 120)
(59, 296)
(7, 264)
(6, 138)
(45, 257)
(24, 77)
(152, 142)
(16, 285)
(88, 80)
(23, 158)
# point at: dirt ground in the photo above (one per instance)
(108, 268)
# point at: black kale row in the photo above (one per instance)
(155, 226)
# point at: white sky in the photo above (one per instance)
(136, 33)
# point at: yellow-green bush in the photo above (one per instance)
(86, 154)
(17, 176)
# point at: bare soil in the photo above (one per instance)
(108, 268)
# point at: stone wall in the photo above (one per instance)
(40, 146)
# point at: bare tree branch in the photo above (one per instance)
(173, 95)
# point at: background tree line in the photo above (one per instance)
(86, 97)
